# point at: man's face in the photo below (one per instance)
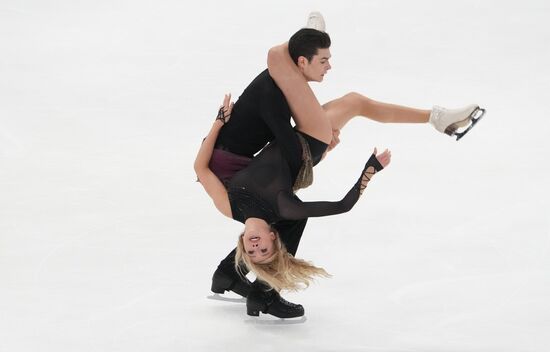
(315, 69)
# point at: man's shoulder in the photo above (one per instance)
(264, 78)
(262, 84)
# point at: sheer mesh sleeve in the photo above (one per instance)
(291, 207)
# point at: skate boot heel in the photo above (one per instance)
(253, 308)
(221, 282)
(217, 289)
(252, 312)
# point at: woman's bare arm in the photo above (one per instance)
(209, 181)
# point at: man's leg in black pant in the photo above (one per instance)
(291, 233)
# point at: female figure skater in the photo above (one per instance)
(262, 193)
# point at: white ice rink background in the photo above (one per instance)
(108, 244)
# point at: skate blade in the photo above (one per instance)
(475, 116)
(264, 320)
(218, 297)
(452, 128)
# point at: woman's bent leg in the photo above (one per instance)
(308, 114)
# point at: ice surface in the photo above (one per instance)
(108, 244)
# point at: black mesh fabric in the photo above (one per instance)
(264, 190)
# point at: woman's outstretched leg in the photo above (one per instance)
(341, 110)
(448, 121)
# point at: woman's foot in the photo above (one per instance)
(448, 121)
(316, 21)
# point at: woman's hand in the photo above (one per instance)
(372, 168)
(383, 158)
(224, 113)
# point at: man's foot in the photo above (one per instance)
(271, 302)
(448, 121)
(316, 21)
(223, 281)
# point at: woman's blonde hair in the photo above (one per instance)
(281, 270)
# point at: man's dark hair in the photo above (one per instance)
(306, 42)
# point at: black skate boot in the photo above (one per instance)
(226, 278)
(223, 281)
(262, 298)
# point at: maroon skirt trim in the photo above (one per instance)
(225, 164)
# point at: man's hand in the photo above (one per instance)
(335, 140)
(333, 143)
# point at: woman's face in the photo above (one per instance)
(258, 243)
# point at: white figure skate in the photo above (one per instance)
(316, 21)
(448, 121)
